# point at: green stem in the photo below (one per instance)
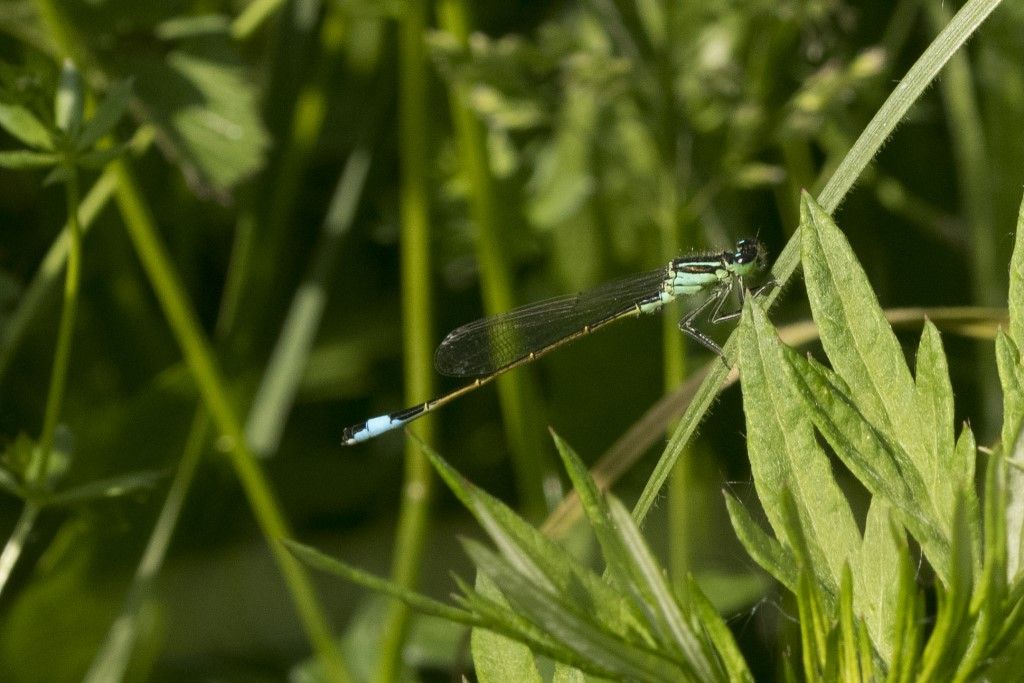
(114, 656)
(276, 243)
(62, 356)
(965, 128)
(675, 231)
(417, 315)
(16, 543)
(199, 357)
(515, 390)
(52, 265)
(255, 14)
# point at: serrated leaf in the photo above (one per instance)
(881, 465)
(633, 568)
(22, 124)
(762, 548)
(961, 474)
(568, 575)
(859, 341)
(109, 112)
(24, 158)
(785, 456)
(497, 657)
(496, 615)
(653, 586)
(853, 330)
(878, 578)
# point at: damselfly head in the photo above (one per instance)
(750, 252)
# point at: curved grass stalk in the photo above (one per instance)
(881, 126)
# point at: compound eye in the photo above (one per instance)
(746, 251)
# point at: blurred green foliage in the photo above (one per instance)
(604, 122)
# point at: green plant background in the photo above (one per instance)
(417, 165)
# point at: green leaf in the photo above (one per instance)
(633, 568)
(987, 604)
(568, 625)
(199, 97)
(1016, 296)
(962, 469)
(934, 403)
(854, 332)
(654, 587)
(106, 116)
(107, 488)
(70, 100)
(496, 615)
(497, 657)
(596, 510)
(732, 659)
(877, 582)
(99, 158)
(564, 673)
(10, 484)
(813, 626)
(849, 662)
(762, 548)
(22, 124)
(541, 554)
(785, 456)
(909, 610)
(951, 634)
(1011, 377)
(992, 589)
(860, 343)
(881, 465)
(23, 158)
(325, 563)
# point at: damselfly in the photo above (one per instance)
(487, 348)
